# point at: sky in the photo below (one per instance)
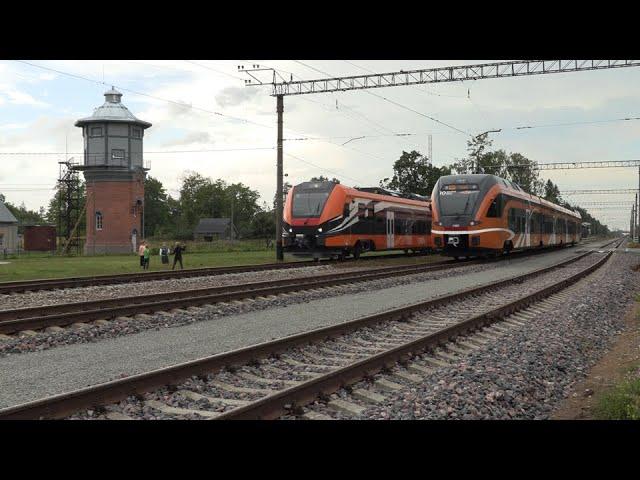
(206, 120)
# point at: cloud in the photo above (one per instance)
(233, 96)
(18, 97)
(191, 138)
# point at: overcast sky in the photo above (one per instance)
(39, 107)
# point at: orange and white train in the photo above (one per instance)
(326, 219)
(487, 215)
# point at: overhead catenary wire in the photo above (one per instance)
(396, 103)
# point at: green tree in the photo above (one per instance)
(412, 173)
(552, 192)
(202, 197)
(156, 208)
(23, 214)
(322, 178)
(477, 147)
(263, 224)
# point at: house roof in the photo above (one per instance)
(212, 225)
(5, 215)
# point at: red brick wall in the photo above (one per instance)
(115, 200)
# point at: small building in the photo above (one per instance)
(40, 238)
(8, 230)
(210, 229)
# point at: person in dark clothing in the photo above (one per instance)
(177, 256)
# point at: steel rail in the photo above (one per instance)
(282, 402)
(61, 405)
(74, 282)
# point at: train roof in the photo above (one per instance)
(373, 193)
(485, 181)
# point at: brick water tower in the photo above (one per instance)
(114, 172)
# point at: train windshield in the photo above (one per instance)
(458, 199)
(309, 204)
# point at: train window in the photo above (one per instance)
(496, 207)
(345, 210)
(309, 203)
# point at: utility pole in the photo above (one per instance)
(635, 220)
(431, 149)
(638, 207)
(280, 110)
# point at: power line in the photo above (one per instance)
(242, 149)
(214, 70)
(181, 104)
(599, 191)
(323, 168)
(625, 119)
(395, 103)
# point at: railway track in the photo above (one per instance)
(280, 377)
(78, 314)
(37, 318)
(76, 282)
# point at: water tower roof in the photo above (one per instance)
(112, 110)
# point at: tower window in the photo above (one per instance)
(95, 132)
(136, 132)
(98, 221)
(117, 154)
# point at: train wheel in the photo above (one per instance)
(357, 250)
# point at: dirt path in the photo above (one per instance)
(609, 371)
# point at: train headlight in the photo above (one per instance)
(320, 229)
(291, 230)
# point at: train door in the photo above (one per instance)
(391, 223)
(527, 228)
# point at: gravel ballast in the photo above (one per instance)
(34, 375)
(528, 371)
(417, 286)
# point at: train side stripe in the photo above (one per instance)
(470, 232)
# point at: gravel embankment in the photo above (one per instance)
(311, 358)
(45, 340)
(530, 370)
(78, 364)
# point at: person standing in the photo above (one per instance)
(141, 253)
(147, 256)
(164, 255)
(177, 255)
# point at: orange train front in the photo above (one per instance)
(487, 215)
(323, 219)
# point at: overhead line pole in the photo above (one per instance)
(279, 193)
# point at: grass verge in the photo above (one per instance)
(621, 402)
